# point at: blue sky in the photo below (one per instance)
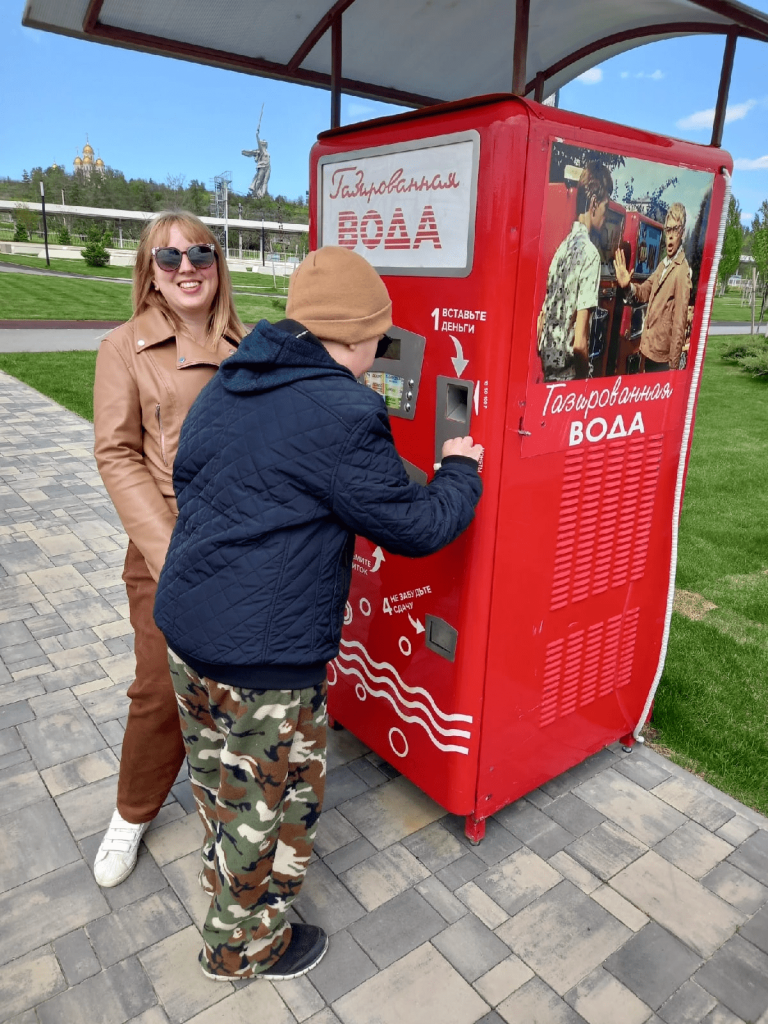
(154, 117)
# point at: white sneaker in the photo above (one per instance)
(118, 852)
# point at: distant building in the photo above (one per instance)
(85, 165)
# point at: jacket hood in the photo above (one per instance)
(272, 356)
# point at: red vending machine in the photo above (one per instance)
(538, 637)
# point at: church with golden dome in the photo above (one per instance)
(85, 165)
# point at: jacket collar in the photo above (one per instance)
(152, 328)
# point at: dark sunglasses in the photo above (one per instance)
(383, 345)
(200, 256)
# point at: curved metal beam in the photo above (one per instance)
(317, 32)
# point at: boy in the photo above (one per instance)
(282, 460)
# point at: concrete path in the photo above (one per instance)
(623, 891)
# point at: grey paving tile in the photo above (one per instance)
(88, 809)
(752, 856)
(82, 771)
(687, 796)
(598, 996)
(737, 888)
(689, 1005)
(441, 899)
(104, 705)
(721, 1015)
(22, 689)
(76, 956)
(756, 930)
(257, 1003)
(677, 902)
(60, 737)
(503, 979)
(28, 981)
(47, 625)
(71, 899)
(573, 814)
(54, 702)
(737, 830)
(694, 849)
(344, 967)
(13, 758)
(421, 983)
(491, 1018)
(182, 792)
(136, 926)
(497, 843)
(174, 971)
(397, 928)
(301, 997)
(10, 741)
(460, 871)
(112, 997)
(391, 812)
(383, 876)
(653, 964)
(534, 828)
(606, 849)
(63, 678)
(323, 900)
(563, 954)
(13, 633)
(343, 747)
(435, 845)
(481, 905)
(326, 1016)
(341, 785)
(20, 785)
(536, 1003)
(737, 975)
(349, 855)
(633, 808)
(369, 773)
(518, 880)
(333, 832)
(637, 767)
(579, 773)
(470, 947)
(18, 556)
(33, 841)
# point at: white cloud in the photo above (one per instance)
(656, 75)
(742, 164)
(705, 118)
(625, 74)
(591, 77)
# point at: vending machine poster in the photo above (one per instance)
(618, 284)
(408, 208)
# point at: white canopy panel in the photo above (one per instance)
(412, 52)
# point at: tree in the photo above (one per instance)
(63, 237)
(732, 242)
(760, 253)
(95, 253)
(26, 223)
(20, 234)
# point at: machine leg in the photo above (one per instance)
(627, 742)
(474, 830)
(333, 724)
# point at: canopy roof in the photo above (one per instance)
(412, 52)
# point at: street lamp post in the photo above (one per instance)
(45, 223)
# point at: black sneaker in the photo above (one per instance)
(307, 947)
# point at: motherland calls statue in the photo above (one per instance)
(258, 187)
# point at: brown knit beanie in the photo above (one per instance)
(338, 296)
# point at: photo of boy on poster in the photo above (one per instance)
(627, 236)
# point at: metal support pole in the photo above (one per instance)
(336, 72)
(725, 85)
(240, 232)
(520, 52)
(45, 223)
(226, 221)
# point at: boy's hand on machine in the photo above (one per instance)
(463, 446)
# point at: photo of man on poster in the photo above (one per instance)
(667, 292)
(573, 283)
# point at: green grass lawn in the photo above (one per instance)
(711, 709)
(29, 297)
(728, 307)
(256, 282)
(712, 704)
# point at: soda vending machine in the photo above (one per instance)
(538, 637)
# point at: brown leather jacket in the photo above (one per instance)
(667, 292)
(146, 382)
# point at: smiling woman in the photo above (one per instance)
(148, 374)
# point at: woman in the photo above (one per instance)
(148, 374)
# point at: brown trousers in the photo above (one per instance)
(153, 750)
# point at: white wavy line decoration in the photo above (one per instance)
(342, 662)
(449, 748)
(408, 689)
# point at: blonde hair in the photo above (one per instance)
(223, 318)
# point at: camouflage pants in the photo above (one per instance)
(257, 766)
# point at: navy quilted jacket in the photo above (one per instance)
(283, 458)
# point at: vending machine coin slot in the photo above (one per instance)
(453, 411)
(441, 637)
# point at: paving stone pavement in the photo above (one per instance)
(625, 889)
